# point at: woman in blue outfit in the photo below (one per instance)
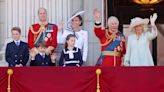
(138, 52)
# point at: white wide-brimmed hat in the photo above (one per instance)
(138, 21)
(68, 23)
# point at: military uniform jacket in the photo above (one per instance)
(36, 35)
(113, 46)
(16, 55)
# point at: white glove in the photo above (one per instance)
(153, 19)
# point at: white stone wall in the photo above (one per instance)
(94, 46)
(2, 28)
(2, 22)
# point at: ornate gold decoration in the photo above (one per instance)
(109, 37)
(9, 72)
(98, 72)
(111, 53)
(41, 29)
(147, 2)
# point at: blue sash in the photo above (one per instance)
(111, 47)
(42, 35)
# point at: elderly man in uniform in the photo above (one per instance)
(17, 52)
(42, 31)
(112, 41)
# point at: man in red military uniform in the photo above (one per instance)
(43, 31)
(112, 42)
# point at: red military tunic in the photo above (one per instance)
(50, 38)
(107, 37)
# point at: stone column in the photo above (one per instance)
(89, 20)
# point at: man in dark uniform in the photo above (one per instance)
(17, 52)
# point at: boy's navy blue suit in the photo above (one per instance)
(16, 55)
(42, 61)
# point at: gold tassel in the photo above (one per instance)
(9, 72)
(98, 72)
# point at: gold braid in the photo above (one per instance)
(109, 37)
(42, 27)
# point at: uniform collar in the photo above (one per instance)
(113, 31)
(43, 23)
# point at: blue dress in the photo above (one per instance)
(71, 57)
(138, 52)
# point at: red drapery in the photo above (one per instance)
(83, 79)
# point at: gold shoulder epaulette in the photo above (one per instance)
(32, 30)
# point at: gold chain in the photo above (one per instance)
(42, 27)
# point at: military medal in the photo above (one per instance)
(119, 48)
(48, 35)
(46, 39)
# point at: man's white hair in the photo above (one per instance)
(113, 18)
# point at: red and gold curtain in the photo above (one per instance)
(83, 79)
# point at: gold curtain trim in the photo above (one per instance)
(98, 72)
(9, 72)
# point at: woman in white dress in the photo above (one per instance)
(81, 35)
(138, 51)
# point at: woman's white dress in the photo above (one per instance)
(138, 51)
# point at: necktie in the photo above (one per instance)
(43, 56)
(17, 43)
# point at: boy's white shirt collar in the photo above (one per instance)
(17, 41)
(42, 54)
